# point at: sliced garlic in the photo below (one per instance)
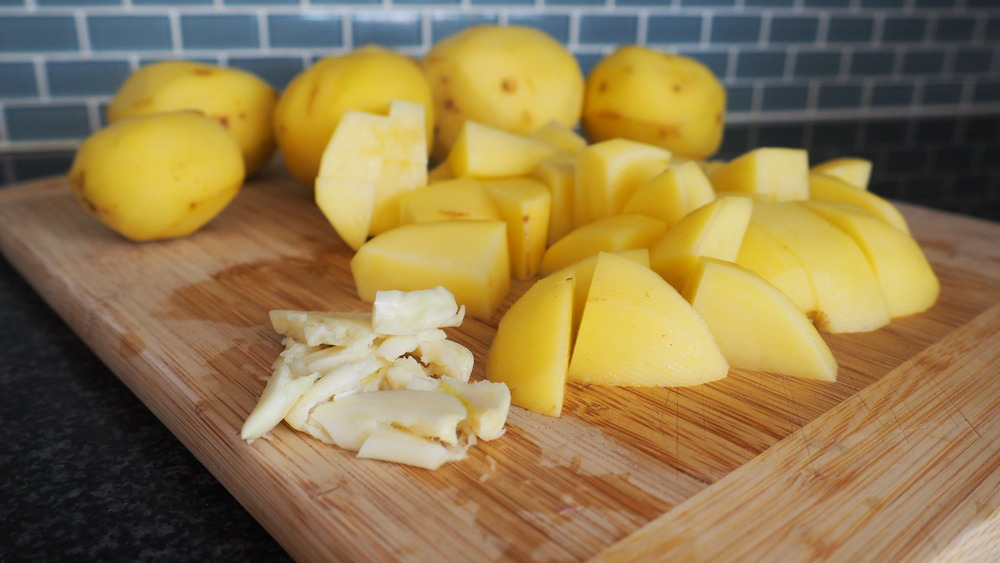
(487, 404)
(392, 444)
(411, 312)
(280, 394)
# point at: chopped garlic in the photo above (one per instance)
(389, 385)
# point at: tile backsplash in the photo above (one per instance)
(802, 68)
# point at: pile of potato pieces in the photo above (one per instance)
(649, 265)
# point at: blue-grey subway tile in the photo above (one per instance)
(77, 3)
(391, 29)
(884, 4)
(447, 23)
(942, 94)
(735, 29)
(305, 29)
(608, 28)
(986, 91)
(985, 127)
(502, 2)
(936, 129)
(674, 28)
(646, 3)
(46, 123)
(219, 31)
(993, 28)
(587, 61)
(826, 3)
(370, 2)
(784, 98)
(973, 60)
(12, 3)
(171, 2)
(839, 96)
(904, 29)
(276, 71)
(883, 95)
(817, 63)
(954, 28)
(850, 29)
(886, 132)
(86, 78)
(33, 166)
(977, 4)
(260, 2)
(769, 3)
(872, 63)
(839, 134)
(739, 99)
(791, 135)
(556, 25)
(794, 29)
(934, 3)
(707, 3)
(129, 33)
(760, 64)
(37, 33)
(17, 80)
(923, 62)
(716, 61)
(574, 2)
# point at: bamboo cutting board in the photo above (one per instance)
(898, 459)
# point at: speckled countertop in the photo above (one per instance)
(87, 473)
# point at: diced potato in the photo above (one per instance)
(449, 200)
(849, 297)
(855, 171)
(757, 326)
(561, 136)
(469, 258)
(482, 151)
(531, 349)
(767, 173)
(560, 177)
(525, 204)
(609, 172)
(618, 232)
(672, 194)
(827, 188)
(583, 273)
(637, 330)
(714, 231)
(765, 254)
(909, 283)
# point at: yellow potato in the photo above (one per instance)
(239, 100)
(671, 101)
(512, 78)
(367, 79)
(158, 176)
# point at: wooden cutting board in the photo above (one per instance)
(898, 459)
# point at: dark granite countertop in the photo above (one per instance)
(88, 473)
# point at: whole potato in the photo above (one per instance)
(513, 78)
(158, 176)
(367, 79)
(239, 100)
(667, 100)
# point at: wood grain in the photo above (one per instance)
(902, 446)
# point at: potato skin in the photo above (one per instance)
(158, 176)
(367, 79)
(667, 100)
(239, 100)
(513, 78)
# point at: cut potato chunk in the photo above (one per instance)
(765, 254)
(714, 230)
(609, 172)
(827, 188)
(849, 297)
(618, 232)
(767, 173)
(455, 199)
(561, 137)
(525, 204)
(909, 283)
(757, 326)
(482, 151)
(637, 330)
(560, 178)
(469, 258)
(855, 171)
(672, 194)
(583, 273)
(531, 349)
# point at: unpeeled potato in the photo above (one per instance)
(509, 77)
(239, 100)
(667, 100)
(158, 176)
(366, 79)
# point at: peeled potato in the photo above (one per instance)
(513, 78)
(158, 176)
(667, 100)
(367, 79)
(239, 100)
